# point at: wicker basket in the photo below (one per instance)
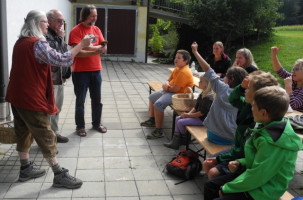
(7, 133)
(184, 101)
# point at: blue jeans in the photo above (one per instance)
(82, 81)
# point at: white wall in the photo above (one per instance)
(17, 10)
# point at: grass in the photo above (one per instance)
(291, 40)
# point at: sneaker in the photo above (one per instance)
(30, 172)
(61, 139)
(148, 123)
(157, 133)
(63, 179)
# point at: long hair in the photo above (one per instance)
(208, 89)
(85, 12)
(31, 26)
(246, 53)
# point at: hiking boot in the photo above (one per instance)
(61, 139)
(30, 172)
(157, 133)
(65, 180)
(148, 123)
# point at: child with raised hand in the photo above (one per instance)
(241, 97)
(270, 153)
(245, 59)
(179, 79)
(195, 116)
(221, 119)
(293, 81)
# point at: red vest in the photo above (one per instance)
(30, 86)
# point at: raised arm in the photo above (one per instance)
(274, 58)
(205, 66)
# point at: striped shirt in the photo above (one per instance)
(296, 97)
(47, 55)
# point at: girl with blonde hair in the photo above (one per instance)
(194, 117)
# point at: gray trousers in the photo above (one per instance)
(59, 96)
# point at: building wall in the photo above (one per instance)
(17, 11)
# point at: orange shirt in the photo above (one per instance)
(91, 63)
(182, 78)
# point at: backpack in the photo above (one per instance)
(186, 165)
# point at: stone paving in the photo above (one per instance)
(120, 164)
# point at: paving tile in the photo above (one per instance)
(26, 190)
(3, 188)
(47, 191)
(188, 187)
(91, 175)
(90, 151)
(147, 174)
(121, 189)
(140, 150)
(122, 198)
(90, 163)
(147, 188)
(113, 142)
(156, 198)
(143, 162)
(115, 151)
(135, 141)
(116, 162)
(118, 174)
(90, 190)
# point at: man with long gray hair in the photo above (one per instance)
(30, 92)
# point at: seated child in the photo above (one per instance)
(217, 165)
(245, 59)
(270, 154)
(221, 119)
(179, 79)
(293, 81)
(195, 116)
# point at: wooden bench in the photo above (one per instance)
(154, 86)
(286, 196)
(200, 135)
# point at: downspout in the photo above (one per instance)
(147, 29)
(3, 60)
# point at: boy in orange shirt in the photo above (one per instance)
(179, 79)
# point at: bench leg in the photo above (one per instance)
(174, 123)
(150, 90)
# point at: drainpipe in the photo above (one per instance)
(147, 29)
(3, 60)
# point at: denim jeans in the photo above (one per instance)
(82, 81)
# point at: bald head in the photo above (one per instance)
(55, 19)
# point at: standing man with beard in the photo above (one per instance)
(86, 70)
(54, 37)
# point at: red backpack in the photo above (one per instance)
(186, 165)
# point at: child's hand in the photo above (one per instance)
(233, 166)
(245, 82)
(288, 84)
(211, 162)
(194, 47)
(275, 50)
(184, 115)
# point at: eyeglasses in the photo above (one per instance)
(296, 69)
(44, 21)
(59, 20)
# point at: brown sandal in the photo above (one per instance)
(101, 129)
(81, 132)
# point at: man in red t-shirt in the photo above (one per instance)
(86, 69)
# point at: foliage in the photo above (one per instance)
(156, 41)
(228, 20)
(293, 12)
